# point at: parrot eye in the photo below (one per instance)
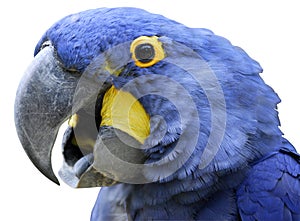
(147, 51)
(144, 53)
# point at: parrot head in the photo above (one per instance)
(146, 99)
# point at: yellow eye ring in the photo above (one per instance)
(147, 51)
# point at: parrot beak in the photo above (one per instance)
(48, 95)
(43, 102)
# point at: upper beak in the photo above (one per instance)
(48, 95)
(43, 102)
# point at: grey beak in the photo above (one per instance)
(48, 95)
(43, 102)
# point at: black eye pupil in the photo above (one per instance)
(144, 53)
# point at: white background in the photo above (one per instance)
(267, 30)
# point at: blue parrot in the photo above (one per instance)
(174, 123)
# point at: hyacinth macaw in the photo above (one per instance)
(174, 123)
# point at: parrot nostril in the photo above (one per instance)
(46, 44)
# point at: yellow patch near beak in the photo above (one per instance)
(73, 120)
(123, 111)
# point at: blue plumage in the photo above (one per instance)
(271, 190)
(255, 173)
